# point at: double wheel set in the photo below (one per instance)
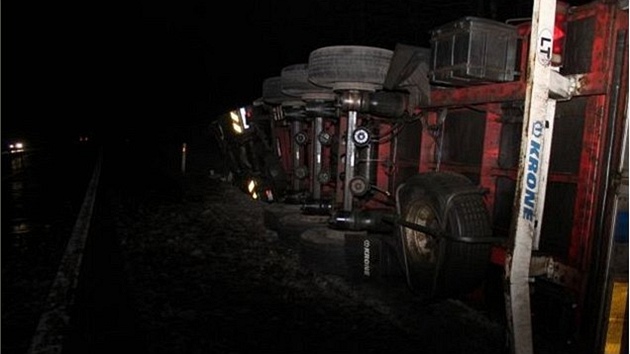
(436, 232)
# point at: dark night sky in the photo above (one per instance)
(118, 67)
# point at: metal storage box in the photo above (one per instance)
(473, 51)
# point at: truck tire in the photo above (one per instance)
(322, 250)
(289, 221)
(449, 202)
(294, 82)
(272, 91)
(349, 67)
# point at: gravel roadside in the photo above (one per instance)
(208, 277)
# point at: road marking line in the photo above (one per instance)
(55, 319)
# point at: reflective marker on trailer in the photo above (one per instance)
(616, 316)
(239, 121)
(244, 117)
(251, 186)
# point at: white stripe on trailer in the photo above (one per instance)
(531, 181)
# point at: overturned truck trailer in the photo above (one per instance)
(498, 151)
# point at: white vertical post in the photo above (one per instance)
(183, 158)
(531, 181)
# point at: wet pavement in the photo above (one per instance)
(41, 194)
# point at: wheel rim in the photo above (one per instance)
(421, 248)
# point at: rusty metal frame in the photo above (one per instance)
(594, 86)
